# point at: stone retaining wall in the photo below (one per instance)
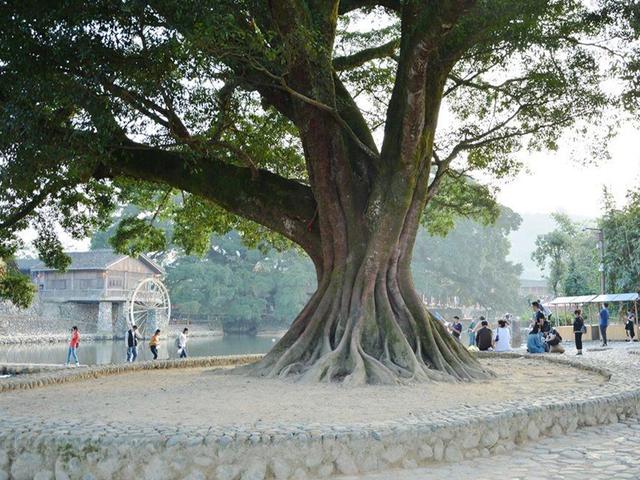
(27, 368)
(47, 318)
(64, 451)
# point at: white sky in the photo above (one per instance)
(555, 182)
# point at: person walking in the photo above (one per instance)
(182, 343)
(153, 344)
(604, 323)
(578, 329)
(503, 337)
(132, 343)
(72, 352)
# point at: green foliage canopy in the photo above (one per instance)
(104, 103)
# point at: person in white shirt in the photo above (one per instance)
(182, 343)
(503, 337)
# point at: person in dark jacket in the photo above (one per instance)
(484, 337)
(578, 330)
(132, 343)
(629, 328)
(456, 328)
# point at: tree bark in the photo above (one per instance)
(366, 324)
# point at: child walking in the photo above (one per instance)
(72, 353)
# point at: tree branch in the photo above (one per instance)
(481, 84)
(283, 205)
(357, 59)
(27, 208)
(321, 106)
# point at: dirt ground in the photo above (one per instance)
(198, 397)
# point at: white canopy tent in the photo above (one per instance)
(580, 300)
(567, 303)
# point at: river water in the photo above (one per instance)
(115, 351)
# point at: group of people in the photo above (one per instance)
(482, 337)
(542, 336)
(132, 338)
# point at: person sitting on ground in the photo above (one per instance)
(553, 340)
(456, 328)
(629, 328)
(535, 344)
(484, 337)
(503, 337)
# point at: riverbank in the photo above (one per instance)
(195, 331)
(106, 352)
(18, 339)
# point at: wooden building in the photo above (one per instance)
(535, 290)
(100, 281)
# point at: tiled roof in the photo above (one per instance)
(91, 260)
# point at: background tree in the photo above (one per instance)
(240, 285)
(551, 256)
(575, 282)
(622, 236)
(470, 263)
(570, 257)
(267, 112)
(14, 286)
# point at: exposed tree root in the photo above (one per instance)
(382, 337)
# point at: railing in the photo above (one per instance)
(96, 294)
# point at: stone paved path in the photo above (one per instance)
(609, 452)
(596, 453)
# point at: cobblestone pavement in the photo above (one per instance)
(606, 452)
(609, 452)
(37, 449)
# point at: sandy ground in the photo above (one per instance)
(203, 397)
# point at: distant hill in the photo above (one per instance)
(523, 241)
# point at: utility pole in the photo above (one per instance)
(603, 276)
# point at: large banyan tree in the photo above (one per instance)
(317, 120)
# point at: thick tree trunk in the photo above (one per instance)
(367, 324)
(357, 331)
